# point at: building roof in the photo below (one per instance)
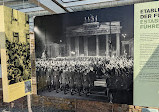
(46, 7)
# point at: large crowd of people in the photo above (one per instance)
(78, 74)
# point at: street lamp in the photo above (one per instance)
(60, 44)
(124, 35)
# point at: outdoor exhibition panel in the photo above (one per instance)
(15, 54)
(146, 54)
(86, 55)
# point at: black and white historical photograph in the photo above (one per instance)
(86, 55)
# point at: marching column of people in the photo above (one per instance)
(64, 80)
(77, 75)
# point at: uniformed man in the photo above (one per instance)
(48, 78)
(79, 79)
(86, 81)
(63, 80)
(92, 77)
(56, 78)
(38, 78)
(43, 79)
(52, 78)
(71, 81)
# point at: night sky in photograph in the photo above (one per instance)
(53, 27)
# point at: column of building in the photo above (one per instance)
(85, 46)
(77, 46)
(97, 45)
(117, 44)
(107, 45)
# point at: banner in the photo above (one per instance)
(15, 54)
(86, 55)
(146, 58)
